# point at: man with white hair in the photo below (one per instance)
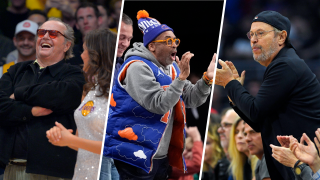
(33, 96)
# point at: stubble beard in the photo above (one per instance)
(264, 56)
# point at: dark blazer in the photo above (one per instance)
(288, 103)
(58, 88)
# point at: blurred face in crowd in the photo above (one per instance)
(117, 10)
(74, 4)
(125, 37)
(87, 20)
(254, 141)
(37, 18)
(208, 150)
(224, 131)
(104, 17)
(264, 47)
(240, 138)
(52, 48)
(25, 43)
(18, 3)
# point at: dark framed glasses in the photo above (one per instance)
(52, 33)
(170, 41)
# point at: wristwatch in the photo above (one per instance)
(298, 168)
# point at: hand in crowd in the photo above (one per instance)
(193, 132)
(40, 111)
(12, 96)
(59, 135)
(307, 154)
(184, 65)
(211, 67)
(283, 154)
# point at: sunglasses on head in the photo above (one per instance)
(52, 33)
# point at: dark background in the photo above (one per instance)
(196, 24)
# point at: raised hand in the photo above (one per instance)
(224, 75)
(307, 154)
(235, 72)
(212, 67)
(184, 65)
(284, 141)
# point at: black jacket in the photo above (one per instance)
(58, 88)
(288, 103)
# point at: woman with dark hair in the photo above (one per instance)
(90, 116)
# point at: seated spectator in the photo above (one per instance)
(38, 17)
(213, 151)
(104, 16)
(255, 147)
(15, 13)
(87, 19)
(24, 41)
(239, 153)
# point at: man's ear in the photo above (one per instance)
(282, 37)
(151, 47)
(67, 46)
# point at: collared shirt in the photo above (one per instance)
(316, 176)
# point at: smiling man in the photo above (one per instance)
(33, 95)
(288, 102)
(150, 95)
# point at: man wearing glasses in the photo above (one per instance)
(33, 95)
(288, 102)
(145, 130)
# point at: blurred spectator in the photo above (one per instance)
(14, 14)
(255, 147)
(6, 45)
(213, 151)
(24, 41)
(115, 8)
(38, 17)
(87, 19)
(104, 16)
(192, 155)
(63, 9)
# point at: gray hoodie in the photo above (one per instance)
(142, 86)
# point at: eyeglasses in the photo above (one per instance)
(52, 33)
(170, 41)
(259, 34)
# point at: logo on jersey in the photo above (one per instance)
(87, 108)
